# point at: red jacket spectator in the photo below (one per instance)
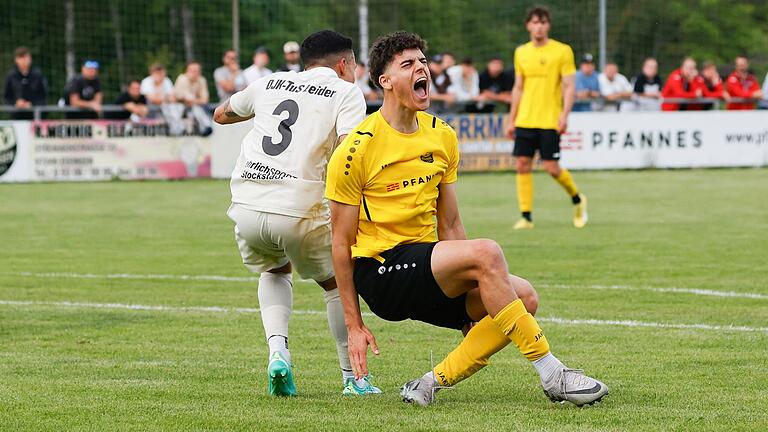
(678, 87)
(739, 87)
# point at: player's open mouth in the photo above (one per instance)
(420, 87)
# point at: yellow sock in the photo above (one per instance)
(472, 354)
(566, 181)
(525, 192)
(520, 326)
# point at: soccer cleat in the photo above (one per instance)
(523, 223)
(351, 388)
(280, 377)
(573, 386)
(580, 212)
(420, 391)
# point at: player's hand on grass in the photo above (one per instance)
(358, 340)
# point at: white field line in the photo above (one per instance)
(218, 278)
(222, 309)
(694, 291)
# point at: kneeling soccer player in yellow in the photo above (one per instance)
(387, 181)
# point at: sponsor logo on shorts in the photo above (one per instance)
(382, 270)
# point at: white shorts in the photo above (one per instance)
(268, 241)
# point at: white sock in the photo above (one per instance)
(347, 374)
(276, 302)
(335, 312)
(547, 366)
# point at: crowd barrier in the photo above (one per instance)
(60, 150)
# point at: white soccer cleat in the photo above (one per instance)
(573, 386)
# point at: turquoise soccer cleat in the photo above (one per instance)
(280, 377)
(351, 388)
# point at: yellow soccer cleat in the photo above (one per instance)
(580, 217)
(523, 224)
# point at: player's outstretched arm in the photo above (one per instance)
(344, 219)
(449, 225)
(225, 115)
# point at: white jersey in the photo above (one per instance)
(298, 119)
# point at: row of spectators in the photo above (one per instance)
(455, 87)
(612, 91)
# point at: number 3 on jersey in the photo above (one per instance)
(272, 148)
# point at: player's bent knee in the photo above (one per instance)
(488, 256)
(526, 292)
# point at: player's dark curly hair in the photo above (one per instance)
(387, 47)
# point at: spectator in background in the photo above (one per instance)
(292, 57)
(191, 89)
(84, 92)
(448, 60)
(157, 87)
(587, 84)
(742, 84)
(614, 87)
(25, 86)
(496, 84)
(764, 101)
(465, 84)
(362, 80)
(648, 86)
(684, 82)
(134, 103)
(712, 86)
(438, 93)
(259, 67)
(229, 77)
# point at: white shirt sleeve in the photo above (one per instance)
(146, 86)
(167, 86)
(242, 101)
(765, 87)
(605, 88)
(351, 111)
(626, 86)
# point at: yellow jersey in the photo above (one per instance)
(393, 177)
(542, 69)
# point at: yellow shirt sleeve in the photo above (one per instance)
(346, 173)
(452, 147)
(518, 62)
(568, 66)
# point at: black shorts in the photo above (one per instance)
(546, 141)
(403, 287)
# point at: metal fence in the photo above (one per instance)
(128, 35)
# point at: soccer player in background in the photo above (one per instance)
(542, 98)
(398, 239)
(281, 220)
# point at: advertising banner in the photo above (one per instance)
(628, 140)
(14, 159)
(104, 150)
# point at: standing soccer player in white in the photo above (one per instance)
(281, 219)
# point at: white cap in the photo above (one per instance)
(291, 46)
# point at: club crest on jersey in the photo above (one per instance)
(427, 157)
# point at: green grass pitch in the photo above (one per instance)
(664, 297)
